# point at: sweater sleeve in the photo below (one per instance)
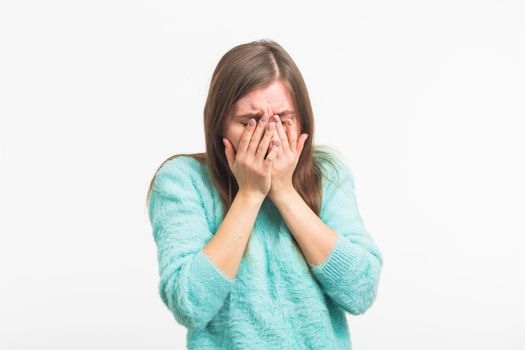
(191, 285)
(350, 274)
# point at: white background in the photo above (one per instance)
(425, 99)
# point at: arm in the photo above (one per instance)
(227, 246)
(343, 256)
(195, 273)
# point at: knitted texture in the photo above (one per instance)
(274, 302)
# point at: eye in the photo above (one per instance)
(244, 123)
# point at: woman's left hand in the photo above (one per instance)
(290, 148)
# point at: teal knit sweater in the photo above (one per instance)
(274, 302)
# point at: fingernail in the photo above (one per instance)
(277, 119)
(276, 142)
(289, 122)
(270, 126)
(252, 121)
(264, 117)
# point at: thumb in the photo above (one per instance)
(301, 142)
(228, 149)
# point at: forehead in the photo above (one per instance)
(274, 96)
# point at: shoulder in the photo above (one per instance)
(335, 169)
(180, 164)
(181, 173)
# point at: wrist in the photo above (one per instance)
(283, 195)
(254, 198)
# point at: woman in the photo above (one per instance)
(260, 241)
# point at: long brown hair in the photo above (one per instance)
(242, 69)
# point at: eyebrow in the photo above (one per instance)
(259, 115)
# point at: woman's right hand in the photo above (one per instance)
(252, 170)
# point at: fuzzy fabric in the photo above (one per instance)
(274, 302)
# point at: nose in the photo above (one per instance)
(269, 112)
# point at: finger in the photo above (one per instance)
(246, 136)
(272, 155)
(292, 135)
(280, 149)
(273, 138)
(258, 133)
(228, 149)
(281, 133)
(263, 146)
